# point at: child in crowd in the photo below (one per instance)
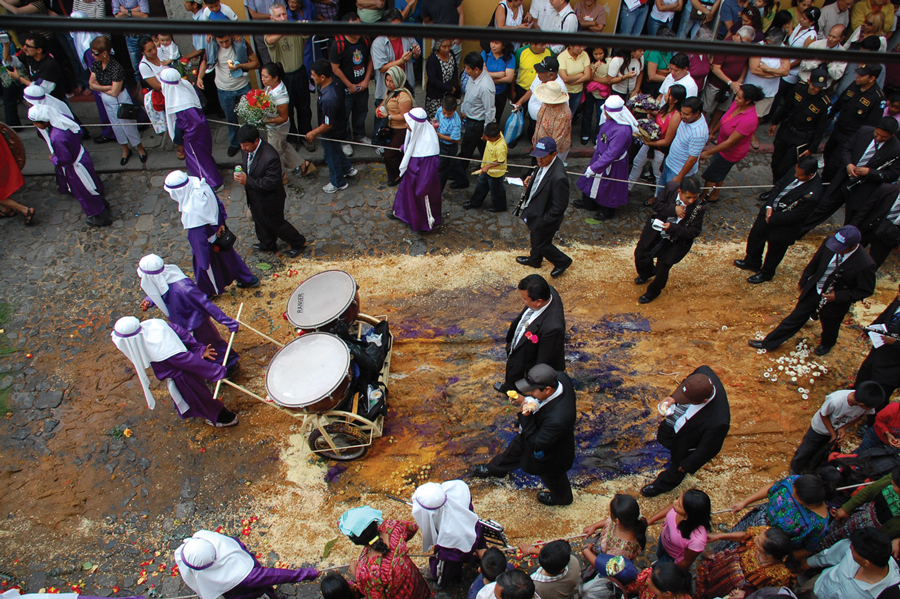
(492, 171)
(335, 586)
(166, 49)
(493, 564)
(832, 421)
(449, 131)
(559, 576)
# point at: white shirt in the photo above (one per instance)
(838, 411)
(617, 67)
(279, 96)
(545, 15)
(690, 86)
(542, 403)
(838, 582)
(487, 591)
(768, 85)
(534, 104)
(692, 411)
(170, 52)
(565, 20)
(663, 17)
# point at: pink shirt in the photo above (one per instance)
(746, 124)
(671, 538)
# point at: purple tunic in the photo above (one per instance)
(226, 266)
(190, 372)
(66, 147)
(420, 180)
(198, 146)
(610, 160)
(261, 579)
(190, 309)
(450, 561)
(107, 131)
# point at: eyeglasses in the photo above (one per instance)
(870, 23)
(96, 53)
(29, 46)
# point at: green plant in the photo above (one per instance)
(116, 432)
(4, 401)
(6, 312)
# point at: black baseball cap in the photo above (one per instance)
(549, 64)
(869, 69)
(540, 376)
(819, 78)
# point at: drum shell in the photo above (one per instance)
(349, 316)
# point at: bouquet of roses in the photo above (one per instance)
(642, 103)
(255, 108)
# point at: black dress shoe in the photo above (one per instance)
(526, 261)
(393, 183)
(559, 270)
(391, 215)
(125, 158)
(293, 252)
(102, 139)
(757, 343)
(495, 210)
(501, 388)
(585, 206)
(252, 283)
(232, 151)
(651, 490)
(457, 185)
(482, 471)
(143, 158)
(744, 265)
(821, 350)
(641, 280)
(547, 499)
(758, 278)
(647, 298)
(261, 248)
(470, 205)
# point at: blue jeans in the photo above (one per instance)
(631, 22)
(591, 105)
(653, 25)
(229, 100)
(667, 175)
(131, 41)
(574, 102)
(338, 164)
(869, 441)
(357, 109)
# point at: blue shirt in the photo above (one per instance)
(451, 126)
(141, 5)
(730, 11)
(495, 65)
(690, 139)
(330, 106)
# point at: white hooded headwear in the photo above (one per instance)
(37, 96)
(179, 96)
(143, 342)
(49, 114)
(212, 564)
(421, 139)
(155, 278)
(82, 39)
(196, 199)
(615, 109)
(442, 512)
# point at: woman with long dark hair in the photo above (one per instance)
(756, 563)
(664, 580)
(624, 532)
(667, 119)
(501, 66)
(687, 524)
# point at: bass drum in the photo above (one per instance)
(323, 299)
(15, 144)
(312, 373)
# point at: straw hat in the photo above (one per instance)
(551, 93)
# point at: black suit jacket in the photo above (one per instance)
(860, 197)
(548, 205)
(552, 431)
(855, 276)
(264, 176)
(882, 200)
(793, 209)
(683, 233)
(886, 359)
(550, 329)
(701, 437)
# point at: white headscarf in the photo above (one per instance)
(82, 39)
(196, 200)
(155, 278)
(421, 139)
(615, 109)
(143, 342)
(179, 96)
(36, 96)
(49, 114)
(14, 594)
(442, 512)
(212, 564)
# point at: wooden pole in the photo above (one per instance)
(263, 335)
(227, 351)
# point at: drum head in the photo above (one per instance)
(307, 369)
(320, 299)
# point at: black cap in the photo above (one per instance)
(819, 78)
(539, 377)
(549, 64)
(869, 69)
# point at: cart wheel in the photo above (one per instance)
(343, 435)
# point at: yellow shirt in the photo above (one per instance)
(573, 66)
(495, 151)
(526, 72)
(861, 9)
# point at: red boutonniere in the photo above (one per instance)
(531, 337)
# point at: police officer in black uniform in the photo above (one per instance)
(862, 104)
(804, 118)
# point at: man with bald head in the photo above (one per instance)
(697, 419)
(834, 68)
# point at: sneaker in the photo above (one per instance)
(364, 140)
(331, 188)
(220, 188)
(347, 149)
(379, 151)
(351, 173)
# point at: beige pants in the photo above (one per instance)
(290, 159)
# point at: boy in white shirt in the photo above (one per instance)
(167, 51)
(831, 422)
(493, 564)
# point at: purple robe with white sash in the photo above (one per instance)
(419, 186)
(226, 267)
(198, 146)
(262, 579)
(190, 371)
(67, 149)
(610, 160)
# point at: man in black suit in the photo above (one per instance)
(868, 159)
(544, 204)
(669, 235)
(788, 204)
(882, 365)
(696, 424)
(546, 444)
(261, 178)
(880, 227)
(839, 274)
(538, 334)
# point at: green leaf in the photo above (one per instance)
(263, 266)
(87, 566)
(592, 221)
(328, 547)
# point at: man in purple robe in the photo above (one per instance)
(418, 200)
(203, 217)
(185, 305)
(35, 95)
(610, 161)
(63, 137)
(212, 564)
(183, 111)
(180, 360)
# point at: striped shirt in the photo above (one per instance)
(690, 139)
(449, 126)
(94, 10)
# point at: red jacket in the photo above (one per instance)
(888, 421)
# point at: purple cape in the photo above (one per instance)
(226, 266)
(66, 147)
(190, 309)
(190, 372)
(198, 146)
(613, 142)
(420, 181)
(261, 579)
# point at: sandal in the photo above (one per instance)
(29, 216)
(755, 146)
(7, 213)
(307, 168)
(179, 153)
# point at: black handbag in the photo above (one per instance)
(128, 112)
(225, 242)
(888, 233)
(382, 137)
